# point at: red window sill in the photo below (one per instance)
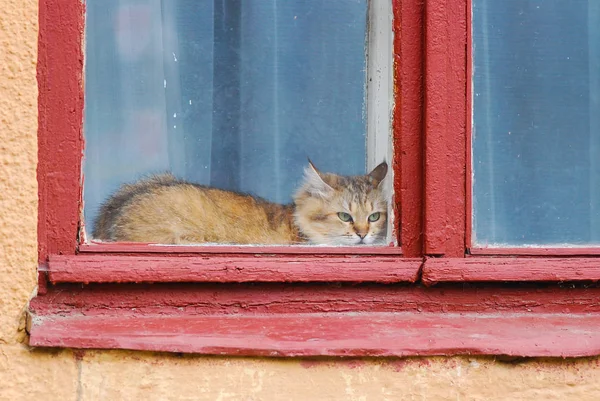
(510, 269)
(245, 267)
(329, 334)
(137, 248)
(320, 319)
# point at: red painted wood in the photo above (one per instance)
(546, 252)
(445, 127)
(436, 83)
(138, 248)
(437, 270)
(333, 334)
(213, 298)
(455, 138)
(42, 279)
(134, 269)
(408, 123)
(60, 116)
(291, 320)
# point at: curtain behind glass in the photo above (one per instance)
(234, 94)
(536, 122)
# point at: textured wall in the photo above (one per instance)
(18, 155)
(27, 374)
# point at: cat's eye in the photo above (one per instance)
(345, 217)
(374, 217)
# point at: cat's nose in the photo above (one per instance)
(361, 235)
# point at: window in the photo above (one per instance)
(234, 95)
(536, 130)
(444, 293)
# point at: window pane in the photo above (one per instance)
(233, 94)
(536, 122)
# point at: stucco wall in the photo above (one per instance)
(27, 374)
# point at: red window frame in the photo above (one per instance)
(310, 301)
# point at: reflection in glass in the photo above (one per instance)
(229, 93)
(536, 122)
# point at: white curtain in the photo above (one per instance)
(230, 93)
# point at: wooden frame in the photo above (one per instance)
(287, 320)
(231, 269)
(291, 301)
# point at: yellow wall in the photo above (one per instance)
(28, 374)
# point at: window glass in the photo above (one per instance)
(536, 122)
(229, 93)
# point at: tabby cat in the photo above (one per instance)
(328, 209)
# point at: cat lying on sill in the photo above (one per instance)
(327, 209)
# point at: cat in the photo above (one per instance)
(327, 209)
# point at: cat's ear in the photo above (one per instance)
(378, 174)
(314, 182)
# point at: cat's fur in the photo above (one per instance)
(162, 209)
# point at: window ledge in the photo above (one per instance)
(320, 319)
(510, 269)
(110, 268)
(327, 334)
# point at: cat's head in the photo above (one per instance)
(340, 210)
